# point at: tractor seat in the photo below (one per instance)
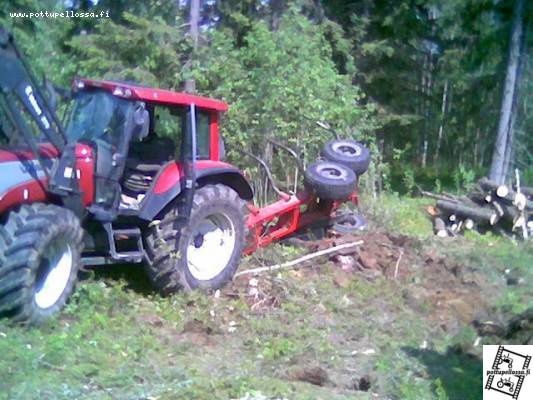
(135, 164)
(139, 174)
(144, 162)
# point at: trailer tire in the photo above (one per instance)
(348, 152)
(40, 254)
(204, 254)
(330, 180)
(349, 224)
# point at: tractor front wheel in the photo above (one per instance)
(205, 253)
(40, 250)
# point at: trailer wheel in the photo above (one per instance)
(205, 253)
(349, 223)
(348, 152)
(330, 180)
(40, 248)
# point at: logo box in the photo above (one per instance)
(507, 373)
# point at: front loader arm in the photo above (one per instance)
(24, 104)
(21, 95)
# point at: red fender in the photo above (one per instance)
(168, 183)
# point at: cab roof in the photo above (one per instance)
(151, 95)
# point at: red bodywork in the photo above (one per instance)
(85, 170)
(266, 225)
(172, 173)
(151, 95)
(286, 216)
(31, 189)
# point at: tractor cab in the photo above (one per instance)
(106, 124)
(133, 133)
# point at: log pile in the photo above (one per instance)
(489, 206)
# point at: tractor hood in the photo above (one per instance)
(22, 178)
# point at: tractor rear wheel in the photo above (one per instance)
(40, 250)
(205, 253)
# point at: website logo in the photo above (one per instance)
(507, 372)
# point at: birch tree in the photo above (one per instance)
(194, 20)
(504, 138)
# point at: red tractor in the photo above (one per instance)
(136, 176)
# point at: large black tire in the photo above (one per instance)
(172, 251)
(330, 180)
(40, 254)
(350, 223)
(348, 152)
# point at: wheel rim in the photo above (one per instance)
(211, 246)
(330, 171)
(53, 274)
(347, 149)
(351, 221)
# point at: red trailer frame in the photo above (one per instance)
(288, 215)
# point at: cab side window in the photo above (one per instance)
(202, 135)
(203, 129)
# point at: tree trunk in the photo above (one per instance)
(427, 83)
(194, 18)
(497, 168)
(441, 125)
(277, 11)
(509, 148)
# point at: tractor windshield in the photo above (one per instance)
(97, 115)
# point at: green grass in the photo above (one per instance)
(117, 339)
(403, 215)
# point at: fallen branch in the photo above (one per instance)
(398, 264)
(436, 196)
(299, 260)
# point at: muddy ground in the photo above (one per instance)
(398, 317)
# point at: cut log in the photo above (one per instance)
(488, 185)
(519, 222)
(431, 210)
(497, 206)
(478, 214)
(502, 191)
(510, 213)
(469, 224)
(452, 217)
(440, 227)
(467, 201)
(518, 199)
(479, 197)
(528, 191)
